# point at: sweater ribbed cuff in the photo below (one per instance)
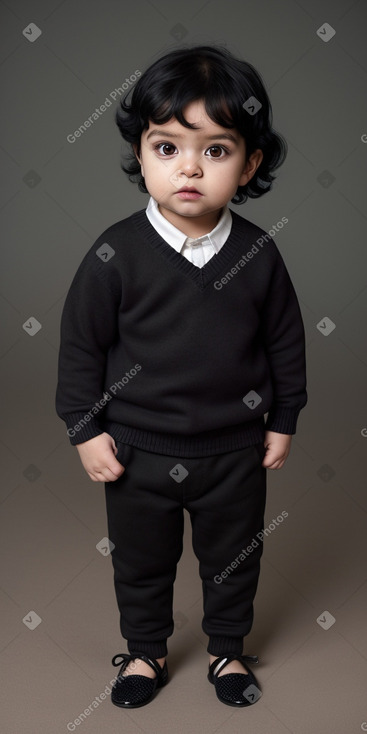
(81, 427)
(282, 420)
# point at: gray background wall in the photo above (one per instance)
(57, 197)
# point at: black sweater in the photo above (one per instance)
(176, 359)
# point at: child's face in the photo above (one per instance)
(211, 159)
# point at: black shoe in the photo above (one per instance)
(235, 689)
(131, 691)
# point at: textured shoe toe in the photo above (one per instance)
(133, 690)
(232, 687)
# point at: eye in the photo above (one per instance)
(216, 151)
(165, 149)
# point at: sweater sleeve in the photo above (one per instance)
(89, 327)
(284, 340)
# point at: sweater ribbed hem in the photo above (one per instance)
(223, 645)
(209, 443)
(153, 649)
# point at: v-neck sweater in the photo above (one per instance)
(176, 359)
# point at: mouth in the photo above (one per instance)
(188, 192)
(189, 188)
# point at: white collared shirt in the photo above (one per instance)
(197, 251)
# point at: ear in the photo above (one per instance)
(251, 166)
(136, 150)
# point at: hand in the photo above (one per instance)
(278, 446)
(98, 458)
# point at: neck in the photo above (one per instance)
(192, 226)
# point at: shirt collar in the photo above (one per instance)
(217, 237)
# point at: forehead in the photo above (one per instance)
(196, 114)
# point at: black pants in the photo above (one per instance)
(225, 496)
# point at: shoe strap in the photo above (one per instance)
(223, 660)
(129, 657)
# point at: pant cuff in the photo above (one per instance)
(223, 645)
(153, 649)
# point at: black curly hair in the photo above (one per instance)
(224, 83)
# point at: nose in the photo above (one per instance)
(190, 166)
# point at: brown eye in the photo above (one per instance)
(165, 148)
(216, 151)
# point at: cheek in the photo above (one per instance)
(235, 172)
(157, 171)
(225, 177)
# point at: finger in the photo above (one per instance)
(111, 476)
(116, 470)
(268, 461)
(276, 464)
(104, 475)
(100, 477)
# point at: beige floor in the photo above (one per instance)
(314, 680)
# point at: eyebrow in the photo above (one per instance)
(220, 136)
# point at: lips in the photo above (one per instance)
(189, 189)
(188, 194)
